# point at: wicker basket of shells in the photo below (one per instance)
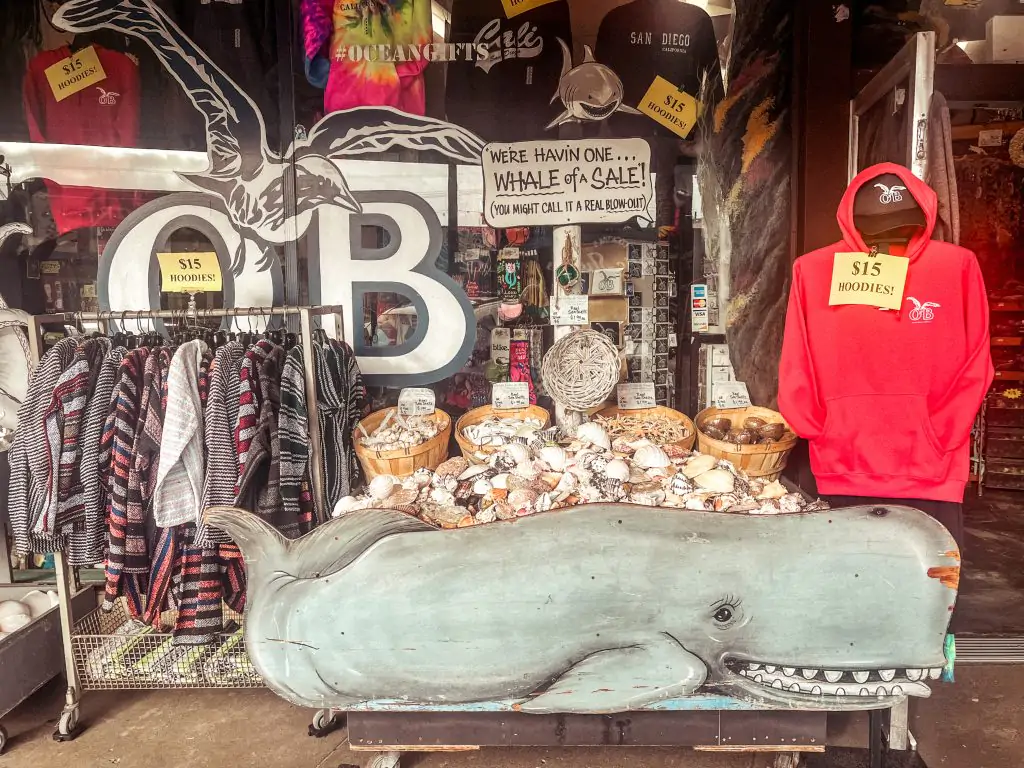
(659, 425)
(757, 440)
(388, 443)
(484, 431)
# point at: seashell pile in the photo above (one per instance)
(536, 475)
(753, 431)
(496, 431)
(398, 432)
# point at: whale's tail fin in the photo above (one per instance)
(328, 549)
(89, 15)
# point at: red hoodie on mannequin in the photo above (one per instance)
(887, 398)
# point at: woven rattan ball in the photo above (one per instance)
(581, 370)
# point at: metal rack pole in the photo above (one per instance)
(67, 577)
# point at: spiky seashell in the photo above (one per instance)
(346, 505)
(423, 477)
(554, 456)
(381, 487)
(519, 453)
(774, 490)
(402, 498)
(502, 462)
(651, 457)
(698, 465)
(504, 511)
(488, 515)
(723, 502)
(446, 516)
(522, 498)
(680, 484)
(594, 434)
(597, 463)
(617, 469)
(620, 445)
(500, 481)
(442, 497)
(454, 466)
(475, 470)
(791, 502)
(482, 486)
(716, 480)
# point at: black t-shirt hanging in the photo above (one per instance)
(645, 39)
(507, 97)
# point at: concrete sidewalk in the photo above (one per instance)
(976, 723)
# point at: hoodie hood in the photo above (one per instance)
(920, 191)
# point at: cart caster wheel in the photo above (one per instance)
(787, 760)
(67, 728)
(325, 722)
(386, 760)
(3, 739)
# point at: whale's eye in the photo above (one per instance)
(726, 612)
(723, 615)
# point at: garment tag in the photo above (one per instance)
(416, 401)
(190, 272)
(514, 7)
(731, 394)
(872, 281)
(500, 340)
(993, 138)
(75, 73)
(633, 397)
(510, 395)
(673, 108)
(570, 310)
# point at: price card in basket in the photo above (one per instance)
(634, 397)
(510, 396)
(730, 394)
(416, 401)
(870, 280)
(570, 310)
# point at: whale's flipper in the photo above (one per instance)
(622, 679)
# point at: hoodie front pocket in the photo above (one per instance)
(879, 435)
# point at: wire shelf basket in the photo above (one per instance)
(115, 652)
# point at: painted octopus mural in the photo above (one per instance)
(602, 608)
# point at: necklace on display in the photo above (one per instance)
(567, 274)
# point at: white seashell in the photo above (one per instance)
(54, 599)
(695, 503)
(13, 608)
(651, 457)
(473, 471)
(544, 502)
(791, 502)
(589, 494)
(442, 497)
(716, 480)
(411, 483)
(500, 481)
(528, 431)
(382, 486)
(482, 486)
(774, 490)
(659, 473)
(346, 505)
(423, 477)
(526, 470)
(488, 515)
(651, 498)
(15, 622)
(518, 452)
(698, 465)
(643, 442)
(554, 456)
(594, 434)
(38, 603)
(617, 469)
(680, 484)
(567, 484)
(523, 498)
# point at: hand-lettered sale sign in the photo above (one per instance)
(552, 183)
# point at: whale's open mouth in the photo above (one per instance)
(598, 111)
(837, 682)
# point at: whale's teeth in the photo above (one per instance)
(881, 691)
(861, 676)
(790, 671)
(809, 674)
(934, 673)
(777, 684)
(758, 678)
(743, 672)
(769, 669)
(887, 674)
(833, 676)
(794, 688)
(816, 690)
(897, 690)
(915, 674)
(753, 666)
(865, 692)
(840, 691)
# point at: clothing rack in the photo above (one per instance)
(68, 583)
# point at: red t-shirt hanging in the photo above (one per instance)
(102, 115)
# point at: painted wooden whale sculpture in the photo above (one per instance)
(602, 608)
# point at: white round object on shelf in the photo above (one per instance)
(14, 622)
(38, 603)
(13, 608)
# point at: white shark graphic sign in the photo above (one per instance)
(250, 199)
